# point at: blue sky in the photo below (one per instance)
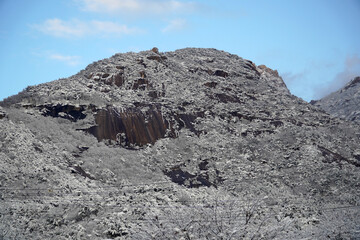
(314, 44)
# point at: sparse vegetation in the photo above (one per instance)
(240, 158)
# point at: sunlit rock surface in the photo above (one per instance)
(190, 144)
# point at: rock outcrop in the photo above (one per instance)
(190, 144)
(344, 103)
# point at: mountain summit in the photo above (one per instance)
(190, 144)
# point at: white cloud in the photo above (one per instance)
(60, 28)
(111, 28)
(147, 7)
(175, 25)
(69, 60)
(76, 28)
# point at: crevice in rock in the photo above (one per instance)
(141, 84)
(70, 112)
(118, 79)
(85, 213)
(225, 98)
(188, 120)
(203, 165)
(256, 133)
(277, 123)
(184, 178)
(251, 66)
(211, 84)
(221, 73)
(157, 58)
(201, 178)
(78, 170)
(2, 114)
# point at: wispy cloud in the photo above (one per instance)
(69, 60)
(76, 28)
(108, 27)
(59, 28)
(175, 25)
(351, 70)
(293, 78)
(147, 7)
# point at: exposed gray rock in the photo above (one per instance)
(190, 144)
(344, 103)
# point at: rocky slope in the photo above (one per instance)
(344, 103)
(190, 144)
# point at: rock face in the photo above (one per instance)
(190, 144)
(130, 127)
(344, 103)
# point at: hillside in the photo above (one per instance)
(190, 144)
(343, 103)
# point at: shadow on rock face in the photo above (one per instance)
(132, 127)
(70, 112)
(201, 178)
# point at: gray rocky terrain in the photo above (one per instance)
(344, 103)
(190, 144)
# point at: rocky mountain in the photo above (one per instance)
(190, 144)
(344, 103)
